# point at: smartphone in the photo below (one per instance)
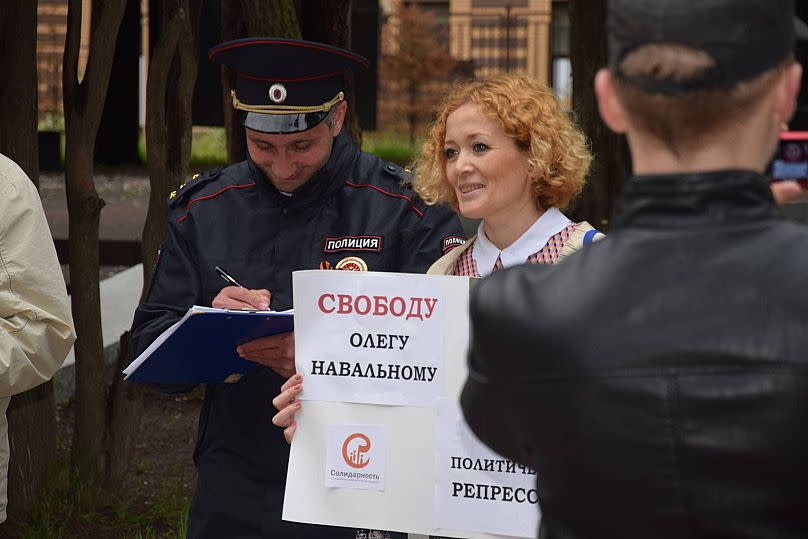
(791, 159)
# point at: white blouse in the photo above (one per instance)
(485, 253)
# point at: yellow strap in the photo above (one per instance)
(285, 109)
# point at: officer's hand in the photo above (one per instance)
(287, 404)
(276, 352)
(235, 297)
(788, 191)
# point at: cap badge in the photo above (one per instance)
(351, 263)
(277, 93)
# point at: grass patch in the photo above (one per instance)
(391, 146)
(208, 147)
(148, 511)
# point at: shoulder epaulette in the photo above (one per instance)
(176, 197)
(402, 175)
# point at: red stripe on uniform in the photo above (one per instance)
(309, 45)
(299, 79)
(212, 195)
(408, 199)
(219, 192)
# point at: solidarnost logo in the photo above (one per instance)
(355, 450)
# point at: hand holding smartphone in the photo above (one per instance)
(790, 162)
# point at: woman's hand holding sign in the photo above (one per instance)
(287, 404)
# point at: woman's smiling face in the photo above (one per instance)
(486, 168)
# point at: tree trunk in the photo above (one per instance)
(172, 74)
(18, 92)
(262, 18)
(83, 104)
(32, 441)
(123, 420)
(276, 18)
(329, 21)
(234, 134)
(31, 415)
(612, 161)
(84, 209)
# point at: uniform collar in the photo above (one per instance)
(485, 253)
(325, 180)
(695, 199)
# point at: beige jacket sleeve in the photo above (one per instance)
(36, 329)
(445, 265)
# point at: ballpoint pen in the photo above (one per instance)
(227, 277)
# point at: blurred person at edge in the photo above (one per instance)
(36, 329)
(674, 402)
(501, 150)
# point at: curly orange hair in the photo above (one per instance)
(528, 112)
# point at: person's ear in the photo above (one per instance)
(786, 91)
(609, 105)
(339, 118)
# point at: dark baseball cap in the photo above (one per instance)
(745, 38)
(285, 85)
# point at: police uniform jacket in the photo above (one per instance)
(658, 380)
(355, 213)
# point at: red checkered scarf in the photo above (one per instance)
(467, 267)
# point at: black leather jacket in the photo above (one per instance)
(356, 206)
(657, 380)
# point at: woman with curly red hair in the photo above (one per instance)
(504, 151)
(501, 150)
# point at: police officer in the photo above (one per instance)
(304, 198)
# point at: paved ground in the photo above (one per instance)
(126, 194)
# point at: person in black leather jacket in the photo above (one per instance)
(305, 198)
(658, 380)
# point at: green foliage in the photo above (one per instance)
(61, 510)
(208, 147)
(51, 121)
(55, 508)
(390, 145)
(141, 146)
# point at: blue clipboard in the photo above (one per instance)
(201, 347)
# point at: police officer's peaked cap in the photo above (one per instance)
(285, 85)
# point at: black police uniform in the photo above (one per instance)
(355, 206)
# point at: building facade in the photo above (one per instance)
(481, 37)
(502, 36)
(50, 49)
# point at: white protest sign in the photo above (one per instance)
(475, 488)
(369, 337)
(410, 501)
(356, 457)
